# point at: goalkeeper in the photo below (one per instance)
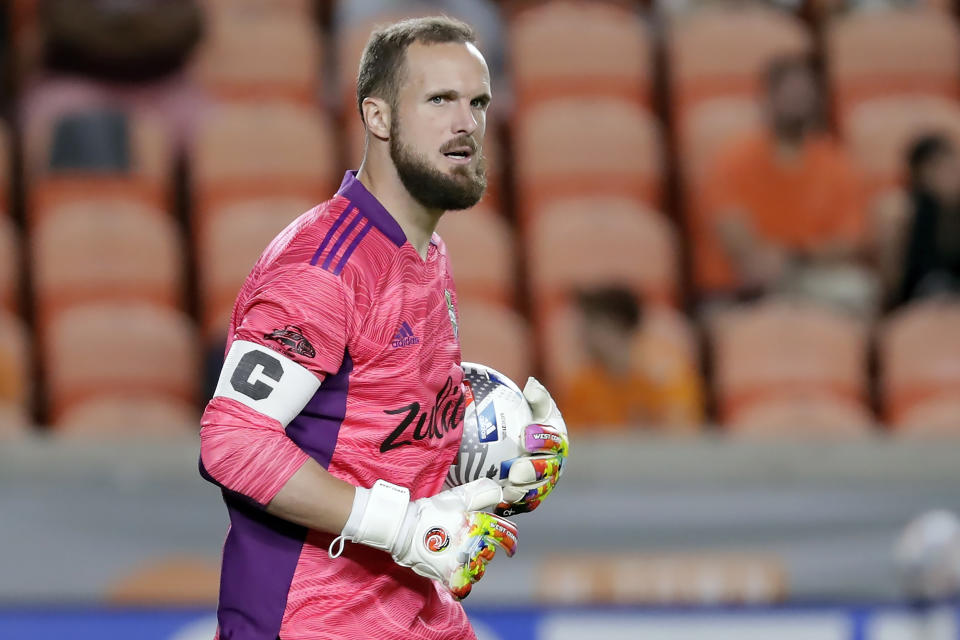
(339, 407)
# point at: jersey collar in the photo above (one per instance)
(354, 191)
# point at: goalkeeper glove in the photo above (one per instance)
(533, 476)
(445, 537)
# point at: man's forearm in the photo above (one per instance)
(315, 499)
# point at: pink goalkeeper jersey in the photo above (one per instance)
(343, 347)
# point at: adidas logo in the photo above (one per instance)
(404, 337)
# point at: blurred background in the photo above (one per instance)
(725, 233)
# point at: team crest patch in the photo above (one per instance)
(452, 313)
(292, 338)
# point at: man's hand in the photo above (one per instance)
(533, 476)
(445, 537)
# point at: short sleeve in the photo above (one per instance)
(301, 312)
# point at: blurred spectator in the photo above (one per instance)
(618, 387)
(784, 206)
(932, 249)
(104, 53)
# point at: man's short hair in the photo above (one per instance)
(382, 61)
(613, 302)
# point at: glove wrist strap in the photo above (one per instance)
(377, 515)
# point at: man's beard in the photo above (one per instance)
(431, 187)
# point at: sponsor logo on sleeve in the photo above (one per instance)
(292, 338)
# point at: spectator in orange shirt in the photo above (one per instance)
(783, 208)
(625, 382)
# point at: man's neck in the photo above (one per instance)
(417, 222)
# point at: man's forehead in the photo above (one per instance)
(430, 65)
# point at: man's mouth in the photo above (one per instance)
(459, 155)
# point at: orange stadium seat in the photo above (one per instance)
(587, 146)
(783, 349)
(106, 248)
(119, 348)
(667, 335)
(890, 52)
(879, 132)
(9, 263)
(149, 177)
(256, 51)
(813, 415)
(498, 337)
(584, 242)
(723, 50)
(16, 382)
(134, 416)
(573, 47)
(234, 237)
(708, 127)
(177, 580)
(919, 352)
(937, 417)
(480, 245)
(245, 151)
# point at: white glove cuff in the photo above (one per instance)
(377, 515)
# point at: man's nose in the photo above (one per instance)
(465, 121)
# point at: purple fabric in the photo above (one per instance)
(329, 236)
(316, 429)
(354, 191)
(339, 243)
(261, 552)
(259, 559)
(350, 249)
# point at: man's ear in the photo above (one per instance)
(376, 115)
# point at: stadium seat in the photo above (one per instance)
(14, 421)
(890, 52)
(919, 353)
(723, 50)
(257, 51)
(585, 147)
(129, 416)
(783, 349)
(105, 248)
(245, 151)
(658, 579)
(498, 337)
(121, 348)
(179, 580)
(802, 416)
(233, 238)
(937, 417)
(584, 242)
(710, 125)
(879, 132)
(573, 47)
(9, 263)
(16, 382)
(667, 335)
(480, 245)
(146, 148)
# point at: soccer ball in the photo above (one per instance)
(493, 424)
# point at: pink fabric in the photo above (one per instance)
(372, 298)
(247, 452)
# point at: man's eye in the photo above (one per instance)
(437, 99)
